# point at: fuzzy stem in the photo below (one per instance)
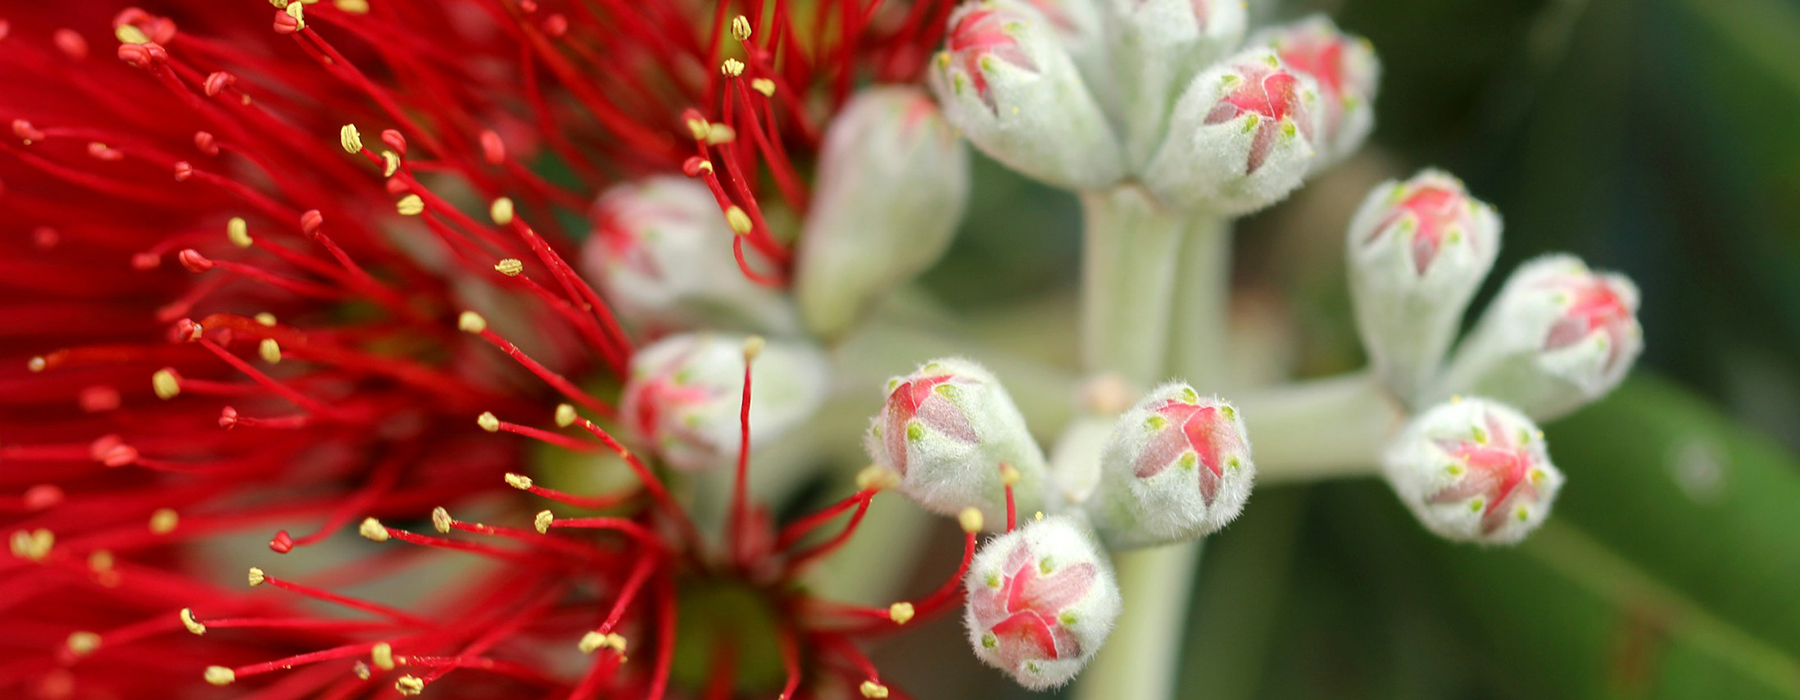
(1127, 282)
(1202, 307)
(1141, 658)
(1320, 429)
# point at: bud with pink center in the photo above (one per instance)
(1242, 137)
(1010, 85)
(683, 397)
(1347, 72)
(1474, 470)
(1158, 46)
(1417, 251)
(1557, 337)
(661, 254)
(893, 179)
(1177, 467)
(1041, 600)
(946, 430)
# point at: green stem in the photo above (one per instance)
(1319, 429)
(1202, 307)
(1128, 274)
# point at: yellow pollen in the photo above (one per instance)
(764, 86)
(471, 322)
(501, 211)
(518, 481)
(188, 621)
(440, 519)
(130, 34)
(383, 656)
(238, 232)
(390, 163)
(350, 139)
(705, 166)
(488, 422)
(165, 384)
(738, 220)
(753, 346)
(33, 545)
(409, 685)
(565, 415)
(83, 643)
(372, 530)
(871, 689)
(740, 27)
(269, 350)
(100, 561)
(698, 127)
(591, 641)
(720, 133)
(36, 364)
(1039, 516)
(1009, 474)
(279, 4)
(876, 477)
(542, 521)
(410, 205)
(900, 613)
(219, 675)
(732, 67)
(616, 641)
(355, 7)
(265, 318)
(297, 11)
(511, 267)
(163, 521)
(970, 519)
(256, 577)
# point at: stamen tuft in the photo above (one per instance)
(269, 350)
(166, 383)
(219, 675)
(383, 656)
(900, 613)
(565, 415)
(488, 422)
(83, 643)
(543, 520)
(970, 519)
(518, 481)
(372, 530)
(501, 211)
(256, 577)
(471, 322)
(164, 521)
(350, 139)
(440, 519)
(871, 689)
(192, 625)
(511, 267)
(410, 205)
(238, 232)
(409, 685)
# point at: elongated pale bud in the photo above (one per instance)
(946, 429)
(893, 179)
(661, 253)
(685, 392)
(1474, 470)
(1557, 337)
(1158, 46)
(1041, 601)
(1176, 467)
(1080, 26)
(1347, 72)
(1010, 85)
(1417, 252)
(1241, 137)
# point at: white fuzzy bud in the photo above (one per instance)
(661, 253)
(683, 397)
(893, 179)
(1158, 46)
(1417, 252)
(1347, 73)
(1041, 601)
(1557, 337)
(1474, 470)
(1176, 467)
(946, 429)
(1241, 137)
(1005, 79)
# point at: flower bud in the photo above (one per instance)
(685, 391)
(661, 253)
(1417, 251)
(1474, 470)
(1347, 73)
(893, 179)
(947, 429)
(1176, 467)
(1010, 85)
(1241, 138)
(1558, 336)
(1041, 601)
(1158, 46)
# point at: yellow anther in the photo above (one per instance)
(591, 641)
(409, 685)
(738, 220)
(165, 384)
(543, 520)
(410, 205)
(37, 364)
(296, 11)
(732, 67)
(83, 643)
(876, 477)
(383, 656)
(900, 613)
(372, 530)
(616, 641)
(440, 519)
(219, 675)
(471, 322)
(518, 481)
(698, 127)
(33, 545)
(163, 521)
(501, 211)
(1038, 516)
(704, 166)
(390, 163)
(511, 267)
(350, 139)
(740, 27)
(753, 346)
(764, 86)
(188, 621)
(488, 422)
(256, 577)
(238, 232)
(265, 318)
(720, 133)
(1009, 474)
(970, 519)
(100, 561)
(279, 4)
(130, 34)
(269, 350)
(355, 7)
(565, 415)
(871, 689)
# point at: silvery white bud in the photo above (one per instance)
(1557, 337)
(1080, 25)
(1241, 138)
(1177, 467)
(1417, 251)
(661, 254)
(1347, 73)
(1041, 601)
(893, 179)
(684, 393)
(1158, 46)
(946, 429)
(1010, 85)
(1474, 470)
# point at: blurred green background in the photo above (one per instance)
(1660, 138)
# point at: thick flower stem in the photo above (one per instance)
(1201, 309)
(1127, 283)
(1320, 429)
